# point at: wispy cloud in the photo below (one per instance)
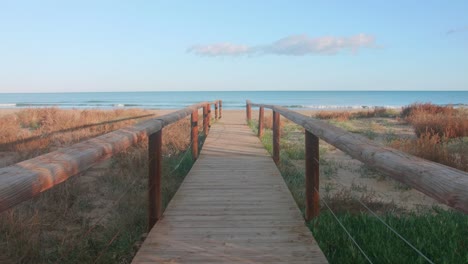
(457, 30)
(220, 49)
(296, 45)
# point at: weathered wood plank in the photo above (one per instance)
(233, 207)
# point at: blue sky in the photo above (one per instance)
(66, 46)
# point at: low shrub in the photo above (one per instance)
(346, 115)
(453, 153)
(444, 121)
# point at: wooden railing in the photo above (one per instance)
(445, 184)
(26, 179)
(71, 129)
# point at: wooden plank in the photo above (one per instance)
(445, 184)
(233, 207)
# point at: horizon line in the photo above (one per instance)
(182, 91)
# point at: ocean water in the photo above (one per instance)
(234, 100)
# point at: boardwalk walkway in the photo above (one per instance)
(233, 207)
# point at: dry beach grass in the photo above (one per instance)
(98, 215)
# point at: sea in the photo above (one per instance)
(234, 99)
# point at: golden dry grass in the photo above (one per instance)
(108, 200)
(445, 121)
(346, 115)
(453, 153)
(31, 132)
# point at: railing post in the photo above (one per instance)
(260, 121)
(216, 110)
(194, 119)
(312, 176)
(276, 137)
(205, 119)
(209, 116)
(154, 179)
(248, 111)
(220, 108)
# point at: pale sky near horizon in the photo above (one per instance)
(69, 46)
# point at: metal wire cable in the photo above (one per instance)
(391, 228)
(382, 221)
(396, 233)
(187, 151)
(347, 232)
(107, 246)
(340, 223)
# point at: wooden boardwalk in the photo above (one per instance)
(233, 207)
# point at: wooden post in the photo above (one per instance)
(220, 108)
(260, 121)
(248, 111)
(209, 116)
(154, 179)
(312, 176)
(216, 110)
(194, 120)
(276, 137)
(205, 119)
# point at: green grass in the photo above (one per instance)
(439, 234)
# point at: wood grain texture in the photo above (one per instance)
(445, 184)
(154, 178)
(248, 111)
(312, 173)
(26, 179)
(233, 207)
(260, 122)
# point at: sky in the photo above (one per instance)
(72, 46)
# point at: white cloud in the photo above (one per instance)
(296, 45)
(220, 49)
(303, 45)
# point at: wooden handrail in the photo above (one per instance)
(24, 180)
(71, 129)
(445, 184)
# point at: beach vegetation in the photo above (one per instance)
(346, 115)
(445, 121)
(438, 232)
(34, 131)
(99, 215)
